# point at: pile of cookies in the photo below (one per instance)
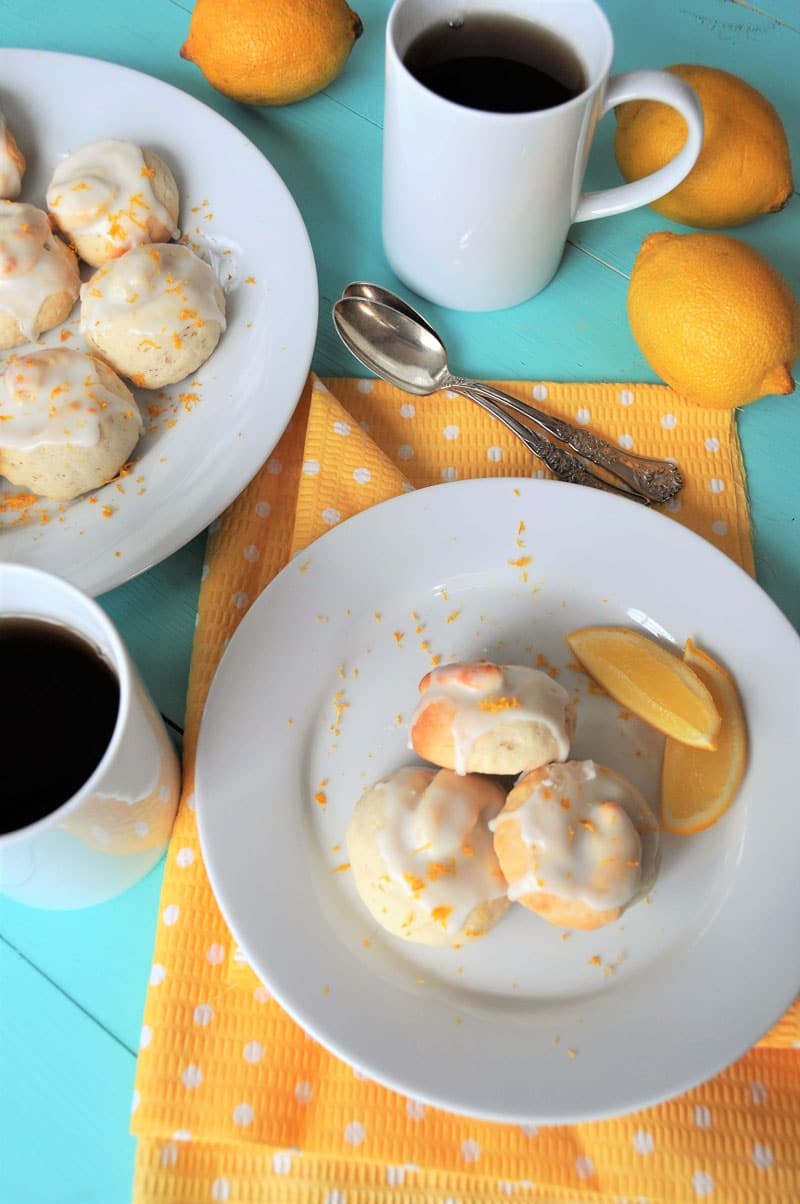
(438, 855)
(152, 312)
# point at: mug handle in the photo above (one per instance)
(647, 85)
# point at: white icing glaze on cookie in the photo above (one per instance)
(55, 397)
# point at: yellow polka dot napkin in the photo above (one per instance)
(234, 1102)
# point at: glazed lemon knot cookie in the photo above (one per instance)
(39, 280)
(577, 844)
(421, 854)
(109, 196)
(477, 717)
(67, 423)
(12, 163)
(155, 315)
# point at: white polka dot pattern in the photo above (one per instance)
(643, 1142)
(169, 1154)
(584, 1167)
(192, 1076)
(243, 1115)
(253, 1052)
(762, 1156)
(355, 1133)
(702, 1184)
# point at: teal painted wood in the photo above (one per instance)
(156, 613)
(66, 1097)
(98, 959)
(328, 151)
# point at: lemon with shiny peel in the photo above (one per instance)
(649, 681)
(271, 52)
(713, 318)
(744, 168)
(697, 787)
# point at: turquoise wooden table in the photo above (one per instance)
(72, 985)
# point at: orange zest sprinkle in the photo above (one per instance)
(321, 798)
(340, 869)
(416, 884)
(451, 618)
(499, 703)
(65, 334)
(398, 637)
(441, 915)
(439, 869)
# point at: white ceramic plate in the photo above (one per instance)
(682, 985)
(200, 451)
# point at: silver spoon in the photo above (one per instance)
(656, 480)
(370, 330)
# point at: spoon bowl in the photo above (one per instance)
(392, 344)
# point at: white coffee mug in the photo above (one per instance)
(477, 204)
(116, 827)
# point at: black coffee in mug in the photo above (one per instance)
(61, 701)
(500, 64)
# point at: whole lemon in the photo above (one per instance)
(713, 318)
(271, 52)
(744, 168)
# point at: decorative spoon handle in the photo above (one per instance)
(561, 463)
(658, 480)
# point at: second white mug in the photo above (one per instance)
(477, 203)
(115, 826)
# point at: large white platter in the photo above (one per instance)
(201, 451)
(648, 1007)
